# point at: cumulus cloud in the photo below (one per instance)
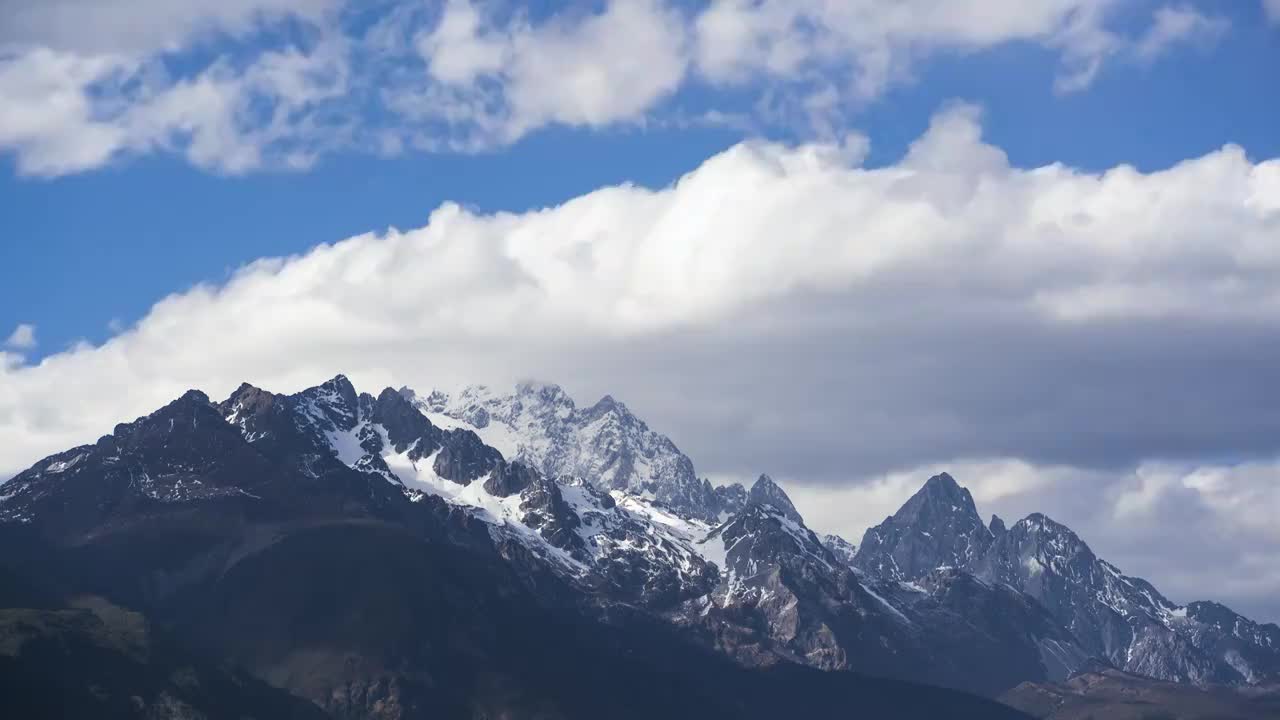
(951, 242)
(246, 84)
(782, 308)
(23, 337)
(517, 77)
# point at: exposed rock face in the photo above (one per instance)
(938, 527)
(997, 526)
(730, 499)
(766, 492)
(509, 479)
(1122, 619)
(190, 499)
(319, 540)
(842, 549)
(795, 600)
(792, 597)
(1249, 647)
(546, 511)
(1017, 631)
(604, 444)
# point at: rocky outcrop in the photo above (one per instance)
(1123, 620)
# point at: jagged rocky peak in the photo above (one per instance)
(333, 401)
(247, 399)
(436, 401)
(730, 499)
(997, 526)
(938, 526)
(940, 496)
(605, 444)
(767, 492)
(763, 535)
(1043, 534)
(182, 452)
(607, 404)
(402, 421)
(190, 425)
(844, 550)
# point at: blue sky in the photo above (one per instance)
(97, 247)
(1006, 239)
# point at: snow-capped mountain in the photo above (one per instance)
(789, 596)
(602, 518)
(576, 527)
(1113, 616)
(604, 445)
(345, 548)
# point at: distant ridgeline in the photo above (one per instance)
(491, 554)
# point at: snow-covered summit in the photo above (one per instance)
(603, 444)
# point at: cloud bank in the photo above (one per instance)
(1101, 346)
(242, 85)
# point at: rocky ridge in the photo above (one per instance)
(1121, 619)
(594, 511)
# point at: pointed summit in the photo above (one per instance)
(943, 493)
(997, 526)
(606, 404)
(766, 492)
(939, 526)
(341, 387)
(944, 482)
(403, 423)
(333, 404)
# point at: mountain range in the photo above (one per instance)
(509, 554)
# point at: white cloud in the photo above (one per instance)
(1181, 24)
(23, 337)
(1245, 495)
(47, 117)
(228, 118)
(247, 84)
(459, 49)
(850, 509)
(68, 111)
(783, 309)
(497, 83)
(952, 227)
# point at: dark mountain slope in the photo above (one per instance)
(100, 661)
(1122, 619)
(369, 600)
